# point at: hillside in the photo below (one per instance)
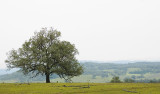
(98, 72)
(6, 71)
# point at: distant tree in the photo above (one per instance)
(46, 54)
(115, 79)
(154, 81)
(129, 80)
(151, 81)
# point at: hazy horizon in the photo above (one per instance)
(105, 30)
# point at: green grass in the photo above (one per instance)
(80, 88)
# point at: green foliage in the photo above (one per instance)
(46, 54)
(115, 79)
(128, 80)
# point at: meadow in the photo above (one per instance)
(80, 88)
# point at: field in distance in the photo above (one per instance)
(80, 88)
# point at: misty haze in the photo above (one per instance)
(80, 46)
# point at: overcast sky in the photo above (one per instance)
(103, 30)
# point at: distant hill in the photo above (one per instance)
(98, 72)
(6, 71)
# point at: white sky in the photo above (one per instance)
(102, 30)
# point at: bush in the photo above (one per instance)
(128, 80)
(115, 80)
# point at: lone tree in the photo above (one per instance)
(45, 54)
(115, 79)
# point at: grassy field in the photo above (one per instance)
(80, 88)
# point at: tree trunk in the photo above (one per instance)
(47, 78)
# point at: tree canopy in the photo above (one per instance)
(115, 79)
(45, 54)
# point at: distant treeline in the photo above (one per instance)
(130, 80)
(110, 69)
(132, 72)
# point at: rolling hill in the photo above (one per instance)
(98, 72)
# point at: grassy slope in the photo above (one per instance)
(79, 88)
